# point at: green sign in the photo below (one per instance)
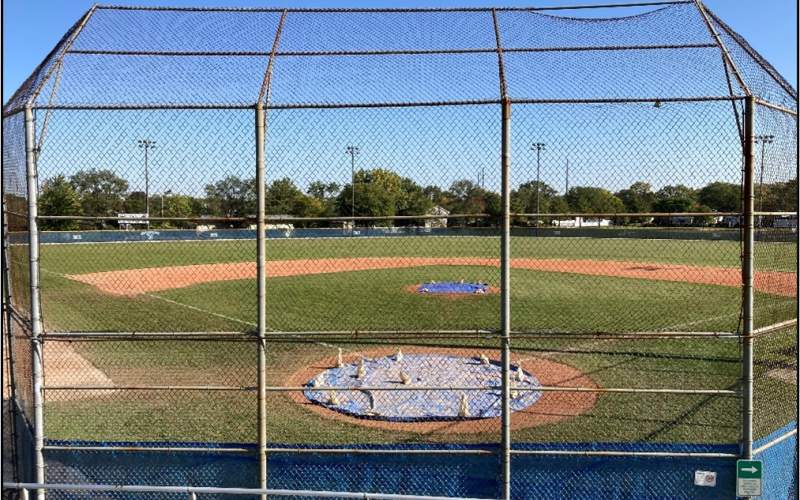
(748, 478)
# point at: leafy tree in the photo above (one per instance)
(413, 199)
(282, 195)
(102, 192)
(436, 194)
(558, 205)
(721, 196)
(323, 190)
(378, 192)
(466, 197)
(231, 197)
(178, 205)
(639, 197)
(309, 206)
(58, 197)
(587, 199)
(677, 198)
(198, 206)
(175, 205)
(135, 202)
(523, 199)
(777, 197)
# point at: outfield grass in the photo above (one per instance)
(86, 258)
(376, 299)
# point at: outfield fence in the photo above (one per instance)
(402, 253)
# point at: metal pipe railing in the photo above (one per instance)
(201, 490)
(409, 217)
(369, 336)
(35, 300)
(620, 390)
(747, 281)
(397, 10)
(402, 451)
(764, 447)
(403, 52)
(9, 369)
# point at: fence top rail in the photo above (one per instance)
(408, 217)
(232, 106)
(337, 53)
(345, 10)
(220, 491)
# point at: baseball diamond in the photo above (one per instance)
(416, 253)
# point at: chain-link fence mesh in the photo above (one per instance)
(384, 367)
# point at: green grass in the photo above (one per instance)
(376, 299)
(86, 258)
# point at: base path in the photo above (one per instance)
(132, 282)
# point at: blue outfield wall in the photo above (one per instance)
(780, 464)
(533, 476)
(117, 236)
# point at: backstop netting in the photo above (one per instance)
(495, 253)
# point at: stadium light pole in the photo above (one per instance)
(763, 139)
(353, 152)
(538, 147)
(146, 145)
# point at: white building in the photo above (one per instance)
(582, 222)
(129, 222)
(433, 223)
(789, 221)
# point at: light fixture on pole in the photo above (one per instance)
(538, 147)
(353, 152)
(146, 145)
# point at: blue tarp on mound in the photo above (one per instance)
(454, 287)
(423, 370)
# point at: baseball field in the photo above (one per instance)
(359, 295)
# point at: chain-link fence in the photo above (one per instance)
(498, 253)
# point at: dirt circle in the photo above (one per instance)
(552, 407)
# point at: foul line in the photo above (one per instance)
(225, 317)
(200, 309)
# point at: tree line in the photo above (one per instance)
(382, 192)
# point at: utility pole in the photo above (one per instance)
(164, 193)
(353, 152)
(538, 147)
(147, 145)
(566, 177)
(763, 140)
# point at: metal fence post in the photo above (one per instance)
(747, 282)
(505, 296)
(36, 317)
(262, 287)
(8, 349)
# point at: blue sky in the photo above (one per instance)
(607, 146)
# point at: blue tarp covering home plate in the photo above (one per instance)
(423, 370)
